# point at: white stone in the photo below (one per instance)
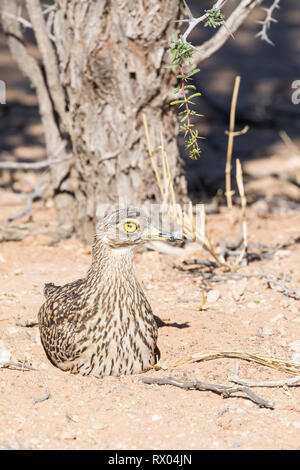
(156, 418)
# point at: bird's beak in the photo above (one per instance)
(156, 234)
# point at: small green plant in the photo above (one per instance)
(215, 18)
(181, 51)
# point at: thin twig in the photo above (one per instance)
(33, 165)
(284, 289)
(8, 365)
(294, 381)
(20, 19)
(266, 23)
(37, 194)
(32, 69)
(223, 390)
(49, 60)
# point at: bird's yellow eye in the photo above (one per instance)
(131, 227)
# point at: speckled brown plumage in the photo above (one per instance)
(103, 324)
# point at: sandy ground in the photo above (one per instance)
(123, 413)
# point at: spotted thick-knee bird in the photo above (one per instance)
(103, 324)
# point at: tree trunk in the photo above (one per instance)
(112, 55)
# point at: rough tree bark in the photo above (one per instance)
(112, 56)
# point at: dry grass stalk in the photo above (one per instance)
(198, 233)
(268, 361)
(150, 153)
(289, 143)
(231, 135)
(186, 220)
(240, 185)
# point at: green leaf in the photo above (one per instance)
(195, 94)
(169, 66)
(177, 102)
(193, 72)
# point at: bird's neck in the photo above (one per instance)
(109, 264)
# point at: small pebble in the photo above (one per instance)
(212, 296)
(295, 347)
(238, 292)
(68, 435)
(156, 417)
(252, 305)
(5, 355)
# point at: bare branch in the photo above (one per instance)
(33, 165)
(36, 194)
(20, 19)
(31, 69)
(49, 59)
(48, 11)
(266, 23)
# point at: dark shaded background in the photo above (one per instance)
(264, 102)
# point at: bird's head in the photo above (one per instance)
(129, 226)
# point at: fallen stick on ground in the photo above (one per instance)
(294, 381)
(19, 365)
(223, 390)
(280, 283)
